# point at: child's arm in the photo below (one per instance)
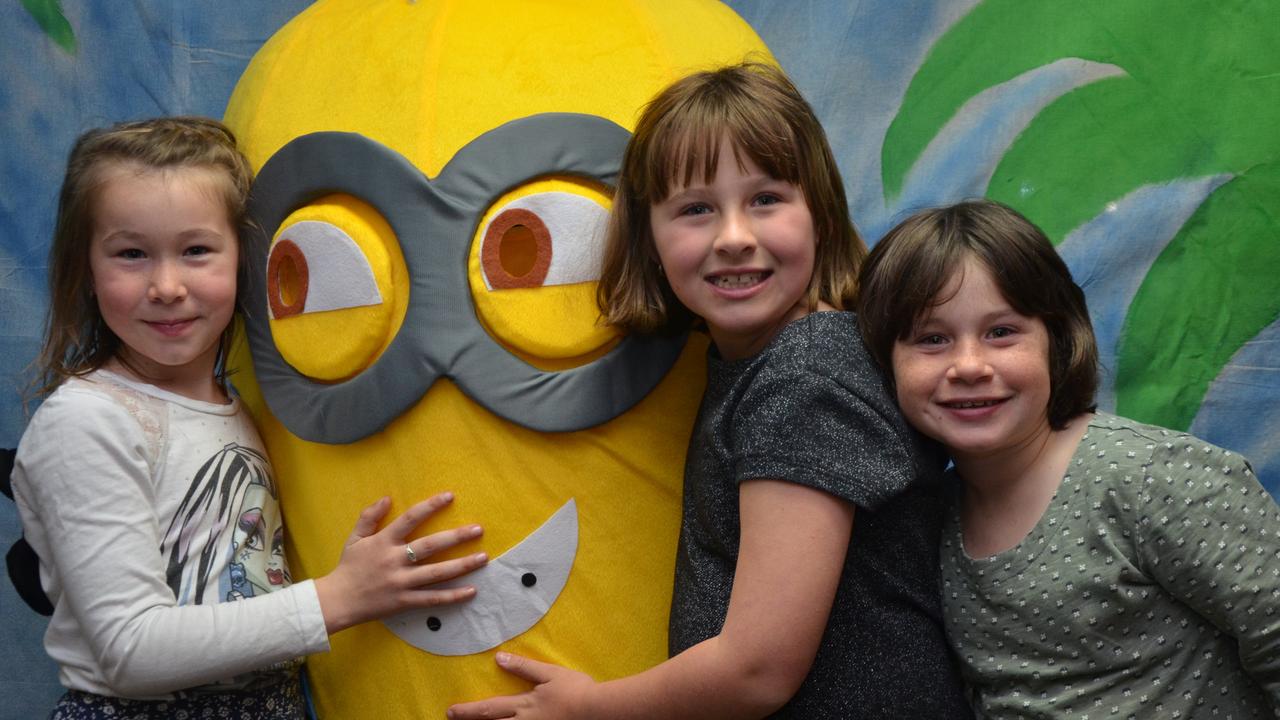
(83, 483)
(793, 544)
(1211, 538)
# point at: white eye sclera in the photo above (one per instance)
(314, 266)
(548, 238)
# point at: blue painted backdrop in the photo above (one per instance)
(1148, 153)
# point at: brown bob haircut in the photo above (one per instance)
(678, 138)
(907, 271)
(77, 340)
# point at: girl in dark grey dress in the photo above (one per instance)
(806, 580)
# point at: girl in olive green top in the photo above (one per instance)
(1092, 566)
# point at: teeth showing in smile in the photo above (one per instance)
(741, 280)
(972, 404)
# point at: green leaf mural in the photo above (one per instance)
(1198, 95)
(48, 15)
(1215, 287)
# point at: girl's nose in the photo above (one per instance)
(735, 236)
(167, 284)
(969, 363)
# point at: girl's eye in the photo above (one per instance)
(934, 339)
(131, 254)
(695, 209)
(768, 199)
(1001, 332)
(198, 250)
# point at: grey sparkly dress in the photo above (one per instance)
(1150, 588)
(811, 409)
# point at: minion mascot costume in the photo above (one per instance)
(434, 179)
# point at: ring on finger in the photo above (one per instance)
(409, 553)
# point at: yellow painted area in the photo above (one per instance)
(425, 78)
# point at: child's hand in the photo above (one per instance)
(379, 574)
(558, 694)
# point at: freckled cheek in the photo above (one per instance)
(907, 391)
(914, 389)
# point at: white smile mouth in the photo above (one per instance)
(513, 592)
(739, 280)
(969, 404)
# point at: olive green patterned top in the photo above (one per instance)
(1150, 588)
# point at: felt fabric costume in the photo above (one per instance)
(138, 500)
(433, 181)
(811, 408)
(1148, 588)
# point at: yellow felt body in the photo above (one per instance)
(425, 78)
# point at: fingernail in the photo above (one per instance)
(446, 496)
(481, 557)
(474, 530)
(502, 658)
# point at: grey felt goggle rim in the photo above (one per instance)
(434, 220)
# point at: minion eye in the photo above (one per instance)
(314, 266)
(547, 238)
(336, 280)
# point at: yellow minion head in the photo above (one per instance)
(433, 182)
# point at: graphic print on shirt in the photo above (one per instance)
(257, 550)
(226, 541)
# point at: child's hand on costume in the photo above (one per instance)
(379, 574)
(558, 694)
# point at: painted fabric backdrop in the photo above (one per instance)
(1140, 135)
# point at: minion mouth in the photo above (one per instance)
(739, 280)
(513, 592)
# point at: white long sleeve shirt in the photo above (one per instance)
(150, 512)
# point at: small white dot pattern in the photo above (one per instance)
(1150, 588)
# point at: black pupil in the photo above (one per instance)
(433, 623)
(529, 579)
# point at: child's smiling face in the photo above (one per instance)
(163, 258)
(738, 251)
(974, 373)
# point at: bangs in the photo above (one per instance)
(923, 283)
(685, 145)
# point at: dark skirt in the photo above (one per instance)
(277, 701)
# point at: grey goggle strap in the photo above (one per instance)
(434, 221)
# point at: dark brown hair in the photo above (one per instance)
(906, 272)
(763, 116)
(77, 340)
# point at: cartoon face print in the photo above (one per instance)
(258, 563)
(231, 497)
